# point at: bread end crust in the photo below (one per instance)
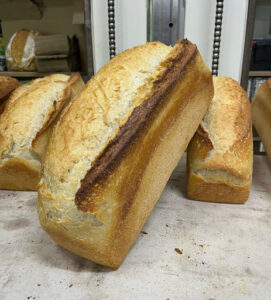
(20, 175)
(200, 189)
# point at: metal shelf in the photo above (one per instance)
(259, 74)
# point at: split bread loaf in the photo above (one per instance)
(115, 146)
(26, 125)
(261, 114)
(7, 85)
(220, 155)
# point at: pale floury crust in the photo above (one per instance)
(261, 114)
(102, 224)
(24, 125)
(96, 115)
(220, 156)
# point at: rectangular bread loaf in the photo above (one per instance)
(26, 125)
(261, 114)
(220, 155)
(115, 146)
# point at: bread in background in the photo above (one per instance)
(115, 147)
(261, 114)
(20, 51)
(220, 155)
(26, 125)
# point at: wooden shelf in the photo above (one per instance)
(29, 74)
(259, 74)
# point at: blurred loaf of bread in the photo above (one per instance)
(20, 51)
(261, 114)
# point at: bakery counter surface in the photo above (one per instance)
(186, 250)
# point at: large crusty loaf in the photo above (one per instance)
(261, 114)
(116, 145)
(220, 155)
(26, 125)
(7, 85)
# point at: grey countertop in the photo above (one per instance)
(186, 250)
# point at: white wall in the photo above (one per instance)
(233, 38)
(131, 27)
(199, 28)
(99, 27)
(131, 23)
(199, 24)
(131, 30)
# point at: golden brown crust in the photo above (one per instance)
(7, 85)
(200, 189)
(123, 198)
(261, 114)
(18, 43)
(222, 157)
(2, 106)
(111, 156)
(16, 173)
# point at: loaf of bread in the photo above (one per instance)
(7, 85)
(26, 125)
(261, 114)
(20, 51)
(115, 146)
(220, 155)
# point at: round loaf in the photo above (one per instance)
(20, 52)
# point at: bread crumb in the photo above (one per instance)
(166, 225)
(178, 251)
(38, 284)
(70, 285)
(19, 206)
